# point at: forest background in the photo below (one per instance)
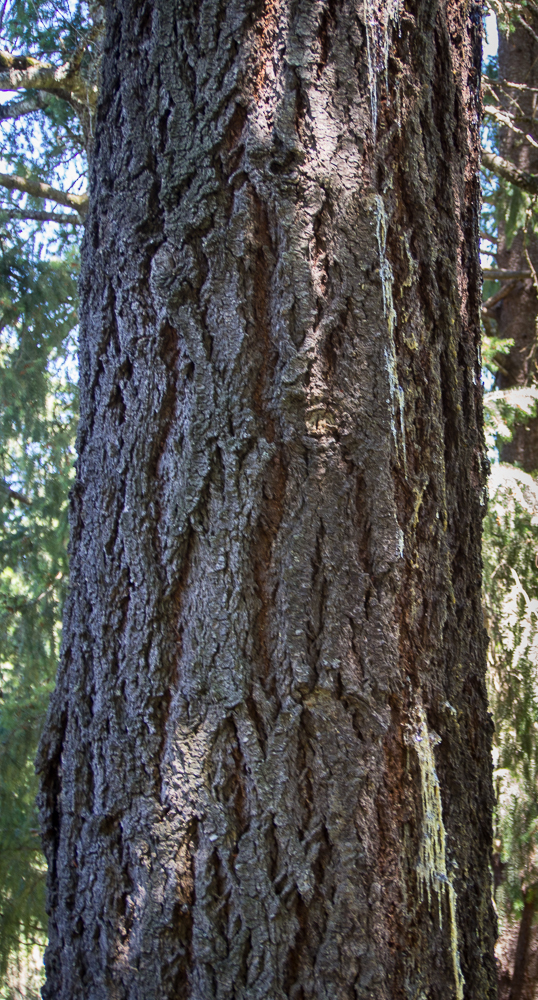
(49, 65)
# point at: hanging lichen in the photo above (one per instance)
(431, 867)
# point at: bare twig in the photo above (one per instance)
(36, 75)
(526, 25)
(508, 120)
(503, 168)
(37, 189)
(516, 86)
(60, 217)
(502, 274)
(503, 293)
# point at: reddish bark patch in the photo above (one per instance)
(268, 26)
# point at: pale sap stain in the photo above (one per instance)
(431, 868)
(397, 398)
(381, 22)
(378, 33)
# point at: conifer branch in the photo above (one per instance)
(27, 214)
(507, 84)
(26, 73)
(16, 109)
(10, 61)
(37, 189)
(76, 59)
(509, 172)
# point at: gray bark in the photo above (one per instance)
(265, 772)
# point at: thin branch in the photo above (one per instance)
(503, 293)
(15, 109)
(517, 86)
(532, 269)
(78, 55)
(510, 83)
(35, 75)
(502, 274)
(525, 24)
(37, 189)
(9, 61)
(14, 495)
(503, 168)
(506, 119)
(20, 213)
(504, 93)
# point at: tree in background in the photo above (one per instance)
(49, 54)
(52, 63)
(511, 536)
(38, 407)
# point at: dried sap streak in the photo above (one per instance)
(431, 868)
(397, 399)
(380, 19)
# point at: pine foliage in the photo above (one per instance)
(510, 548)
(511, 609)
(37, 430)
(38, 406)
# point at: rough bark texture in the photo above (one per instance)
(517, 314)
(266, 769)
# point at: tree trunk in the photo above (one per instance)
(517, 314)
(266, 769)
(523, 945)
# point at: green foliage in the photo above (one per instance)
(38, 405)
(493, 349)
(47, 144)
(37, 430)
(45, 28)
(511, 607)
(510, 548)
(503, 409)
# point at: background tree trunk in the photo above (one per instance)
(517, 313)
(266, 768)
(523, 945)
(517, 316)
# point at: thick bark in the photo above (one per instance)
(517, 313)
(266, 769)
